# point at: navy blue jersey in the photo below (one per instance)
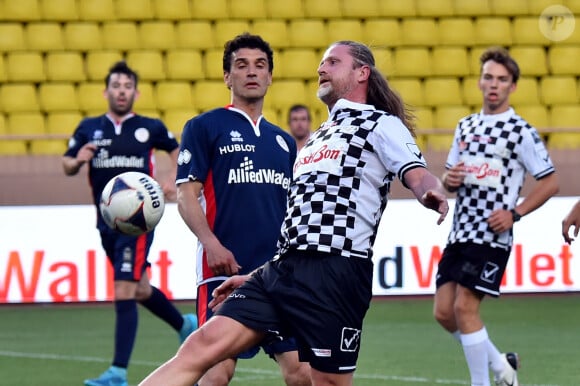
(245, 168)
(122, 147)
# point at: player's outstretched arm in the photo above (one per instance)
(428, 190)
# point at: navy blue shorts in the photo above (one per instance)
(271, 347)
(476, 266)
(318, 298)
(127, 254)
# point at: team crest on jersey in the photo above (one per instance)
(142, 135)
(282, 143)
(236, 136)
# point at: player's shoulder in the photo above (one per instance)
(469, 118)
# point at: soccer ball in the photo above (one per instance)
(132, 203)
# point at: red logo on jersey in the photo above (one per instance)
(324, 153)
(482, 171)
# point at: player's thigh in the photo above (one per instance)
(444, 299)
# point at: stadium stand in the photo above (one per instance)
(54, 55)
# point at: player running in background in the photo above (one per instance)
(113, 143)
(232, 184)
(491, 152)
(299, 124)
(320, 286)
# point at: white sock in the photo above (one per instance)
(457, 335)
(496, 363)
(475, 350)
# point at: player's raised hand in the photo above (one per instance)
(572, 220)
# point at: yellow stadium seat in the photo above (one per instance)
(360, 9)
(63, 122)
(57, 97)
(196, 34)
(423, 118)
(574, 6)
(435, 8)
(559, 90)
(439, 141)
(382, 32)
(48, 146)
(59, 10)
(157, 35)
(509, 8)
(562, 60)
(564, 140)
(174, 95)
(98, 63)
(526, 31)
(474, 56)
(83, 36)
(21, 10)
(65, 66)
(148, 64)
(172, 9)
(225, 30)
(18, 97)
(13, 147)
(175, 119)
(97, 10)
(210, 95)
(28, 124)
(419, 32)
(287, 9)
(565, 116)
(536, 7)
(3, 76)
(11, 37)
(494, 31)
(384, 61)
(535, 115)
(344, 29)
(397, 8)
(184, 65)
(121, 35)
(274, 117)
(136, 10)
(210, 9)
(531, 59)
(276, 32)
(213, 64)
(3, 129)
(458, 31)
(412, 61)
(91, 97)
(442, 91)
(248, 9)
(324, 9)
(312, 99)
(450, 61)
(308, 33)
(526, 93)
(282, 94)
(447, 117)
(44, 36)
(410, 89)
(297, 63)
(470, 89)
(150, 113)
(146, 100)
(472, 8)
(25, 67)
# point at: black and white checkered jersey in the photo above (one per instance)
(497, 151)
(342, 178)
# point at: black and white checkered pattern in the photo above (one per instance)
(342, 178)
(497, 150)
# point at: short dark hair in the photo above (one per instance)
(502, 56)
(121, 67)
(298, 107)
(246, 40)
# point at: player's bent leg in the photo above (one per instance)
(295, 373)
(218, 339)
(443, 306)
(466, 308)
(220, 374)
(320, 378)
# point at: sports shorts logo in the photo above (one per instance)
(489, 272)
(350, 339)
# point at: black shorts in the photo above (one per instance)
(271, 347)
(475, 266)
(127, 254)
(319, 298)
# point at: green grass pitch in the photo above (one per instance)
(401, 345)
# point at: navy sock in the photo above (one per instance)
(161, 307)
(125, 331)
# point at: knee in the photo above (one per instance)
(143, 292)
(216, 378)
(445, 317)
(297, 375)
